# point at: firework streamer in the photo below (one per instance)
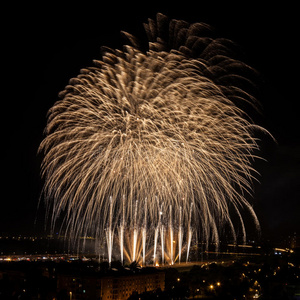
(121, 231)
(171, 237)
(180, 233)
(109, 233)
(168, 123)
(162, 238)
(189, 233)
(144, 233)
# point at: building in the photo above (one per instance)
(79, 286)
(115, 285)
(121, 287)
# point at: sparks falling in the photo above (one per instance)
(154, 144)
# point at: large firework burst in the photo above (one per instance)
(154, 129)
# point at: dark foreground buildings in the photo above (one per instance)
(273, 275)
(115, 284)
(74, 280)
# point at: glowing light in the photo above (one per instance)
(163, 125)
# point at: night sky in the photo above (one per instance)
(44, 46)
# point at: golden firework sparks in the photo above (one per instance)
(159, 129)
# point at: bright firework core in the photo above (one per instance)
(140, 242)
(152, 150)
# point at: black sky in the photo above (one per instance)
(44, 46)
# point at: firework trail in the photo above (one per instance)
(166, 125)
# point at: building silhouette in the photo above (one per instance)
(116, 285)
